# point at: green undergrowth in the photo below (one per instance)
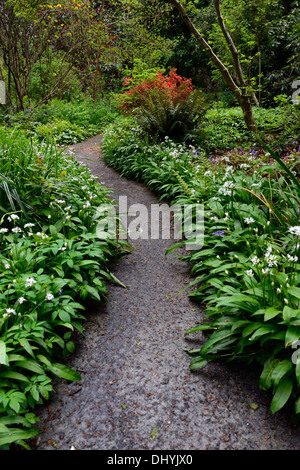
(225, 128)
(65, 122)
(51, 263)
(247, 273)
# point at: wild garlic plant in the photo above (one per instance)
(247, 274)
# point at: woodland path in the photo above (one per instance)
(137, 392)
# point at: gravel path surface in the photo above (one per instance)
(137, 392)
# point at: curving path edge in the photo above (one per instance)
(137, 392)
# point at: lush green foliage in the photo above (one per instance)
(65, 122)
(51, 261)
(224, 128)
(247, 273)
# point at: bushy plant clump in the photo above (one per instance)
(247, 275)
(166, 105)
(51, 260)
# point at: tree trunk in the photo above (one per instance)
(238, 87)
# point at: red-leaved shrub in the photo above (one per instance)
(164, 104)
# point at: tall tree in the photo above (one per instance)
(237, 82)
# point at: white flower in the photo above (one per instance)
(249, 273)
(286, 301)
(14, 217)
(249, 220)
(265, 271)
(28, 225)
(30, 281)
(255, 260)
(271, 260)
(16, 230)
(295, 230)
(21, 300)
(227, 188)
(50, 296)
(3, 230)
(292, 258)
(10, 310)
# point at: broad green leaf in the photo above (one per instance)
(3, 355)
(3, 428)
(270, 313)
(250, 328)
(30, 365)
(65, 372)
(263, 330)
(64, 316)
(26, 345)
(289, 314)
(15, 435)
(280, 370)
(282, 394)
(215, 338)
(198, 363)
(14, 376)
(292, 335)
(199, 328)
(294, 291)
(265, 379)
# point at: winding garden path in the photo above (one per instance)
(136, 390)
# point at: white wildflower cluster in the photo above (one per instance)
(295, 230)
(272, 260)
(49, 296)
(244, 165)
(9, 312)
(30, 281)
(228, 172)
(249, 220)
(41, 235)
(255, 260)
(13, 217)
(227, 188)
(292, 259)
(249, 273)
